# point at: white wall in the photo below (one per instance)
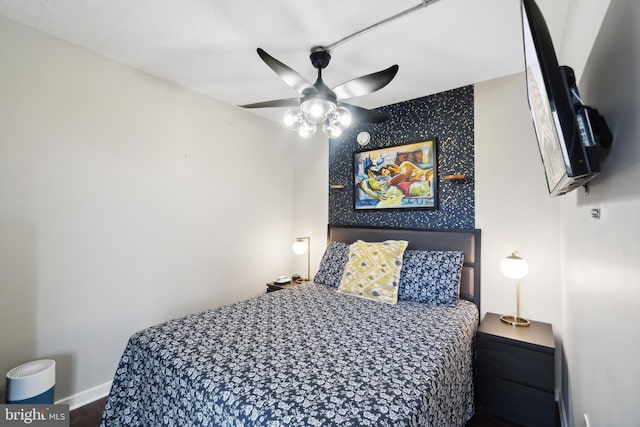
(124, 201)
(513, 207)
(311, 196)
(580, 31)
(602, 279)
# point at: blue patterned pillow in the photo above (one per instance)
(332, 265)
(432, 277)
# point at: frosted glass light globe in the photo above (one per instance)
(317, 109)
(299, 247)
(306, 129)
(292, 118)
(514, 267)
(344, 117)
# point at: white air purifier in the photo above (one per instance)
(32, 382)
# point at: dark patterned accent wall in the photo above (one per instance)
(447, 117)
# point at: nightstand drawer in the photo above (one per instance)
(515, 363)
(518, 403)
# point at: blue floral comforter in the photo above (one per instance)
(307, 356)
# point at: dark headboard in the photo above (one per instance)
(467, 241)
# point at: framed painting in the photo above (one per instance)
(399, 177)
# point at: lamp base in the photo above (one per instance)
(514, 320)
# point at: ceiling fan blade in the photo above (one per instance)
(289, 102)
(364, 115)
(365, 84)
(289, 75)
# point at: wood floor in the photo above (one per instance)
(87, 415)
(90, 415)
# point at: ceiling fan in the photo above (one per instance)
(320, 104)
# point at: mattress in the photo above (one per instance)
(306, 356)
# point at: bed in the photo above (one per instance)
(310, 356)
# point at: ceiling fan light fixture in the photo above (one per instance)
(332, 130)
(344, 117)
(319, 103)
(293, 118)
(307, 129)
(336, 122)
(316, 109)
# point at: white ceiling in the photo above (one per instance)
(209, 46)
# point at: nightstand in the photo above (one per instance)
(515, 371)
(273, 286)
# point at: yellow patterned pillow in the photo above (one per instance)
(373, 270)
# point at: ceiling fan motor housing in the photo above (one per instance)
(320, 57)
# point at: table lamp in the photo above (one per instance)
(300, 246)
(515, 267)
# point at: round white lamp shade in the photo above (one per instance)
(514, 267)
(300, 246)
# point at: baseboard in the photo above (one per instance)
(87, 396)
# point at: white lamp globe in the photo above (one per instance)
(514, 267)
(332, 129)
(299, 246)
(293, 118)
(344, 117)
(306, 129)
(317, 109)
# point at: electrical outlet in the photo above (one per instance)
(586, 421)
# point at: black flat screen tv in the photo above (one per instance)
(569, 133)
